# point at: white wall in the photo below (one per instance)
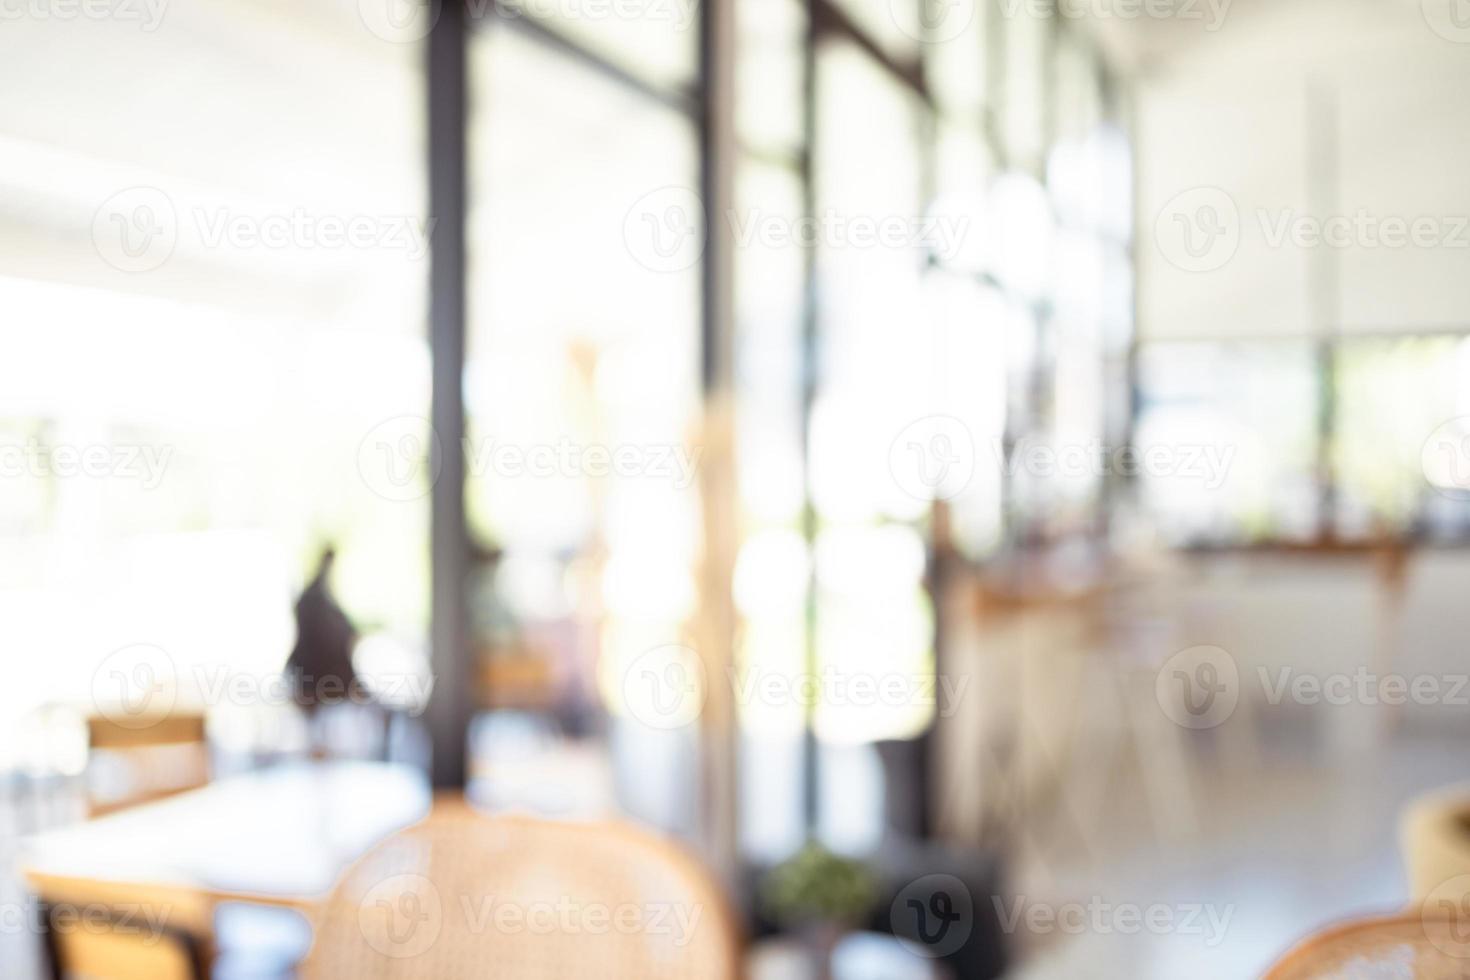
(1326, 616)
(1254, 110)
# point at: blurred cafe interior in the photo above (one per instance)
(651, 489)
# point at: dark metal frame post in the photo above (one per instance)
(719, 776)
(810, 370)
(452, 703)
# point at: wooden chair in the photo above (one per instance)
(1411, 945)
(464, 895)
(1435, 837)
(92, 930)
(90, 933)
(137, 763)
(1431, 939)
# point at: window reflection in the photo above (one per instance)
(582, 386)
(1391, 393)
(206, 362)
(1253, 404)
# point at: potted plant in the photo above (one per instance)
(821, 896)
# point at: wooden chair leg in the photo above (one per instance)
(50, 948)
(196, 950)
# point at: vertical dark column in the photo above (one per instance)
(1128, 119)
(939, 564)
(1322, 198)
(720, 730)
(452, 702)
(810, 371)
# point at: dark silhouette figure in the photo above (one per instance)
(320, 665)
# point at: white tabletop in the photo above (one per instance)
(282, 834)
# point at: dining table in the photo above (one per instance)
(279, 836)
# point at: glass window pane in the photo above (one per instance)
(768, 74)
(770, 274)
(1022, 99)
(1233, 427)
(894, 25)
(182, 286)
(1393, 397)
(657, 40)
(873, 619)
(965, 168)
(582, 392)
(954, 57)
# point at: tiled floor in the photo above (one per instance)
(1279, 850)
